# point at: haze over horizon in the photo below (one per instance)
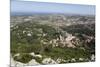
(43, 7)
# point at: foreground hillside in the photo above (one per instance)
(54, 40)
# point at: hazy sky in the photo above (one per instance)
(41, 7)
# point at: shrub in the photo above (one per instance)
(24, 58)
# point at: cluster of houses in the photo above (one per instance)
(64, 41)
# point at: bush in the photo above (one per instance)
(39, 60)
(24, 58)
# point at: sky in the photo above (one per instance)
(92, 2)
(43, 7)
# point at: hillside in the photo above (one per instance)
(52, 39)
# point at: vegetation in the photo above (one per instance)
(24, 58)
(66, 53)
(28, 37)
